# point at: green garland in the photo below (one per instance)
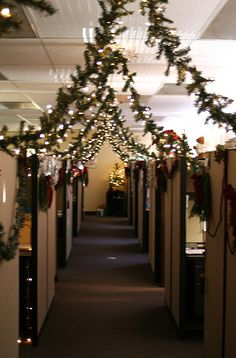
(202, 198)
(220, 153)
(10, 23)
(162, 34)
(8, 247)
(90, 101)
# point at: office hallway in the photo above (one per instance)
(107, 304)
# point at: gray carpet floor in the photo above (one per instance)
(107, 304)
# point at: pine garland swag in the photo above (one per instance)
(202, 199)
(45, 192)
(9, 247)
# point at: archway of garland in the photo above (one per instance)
(92, 103)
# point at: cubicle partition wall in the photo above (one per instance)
(134, 197)
(152, 212)
(37, 244)
(154, 201)
(46, 258)
(64, 218)
(214, 267)
(230, 289)
(9, 270)
(220, 283)
(135, 206)
(77, 205)
(168, 233)
(175, 235)
(184, 260)
(69, 219)
(140, 207)
(143, 210)
(159, 236)
(129, 196)
(80, 204)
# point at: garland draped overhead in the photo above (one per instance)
(92, 103)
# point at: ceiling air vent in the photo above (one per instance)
(25, 30)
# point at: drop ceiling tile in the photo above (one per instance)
(28, 73)
(214, 52)
(22, 51)
(69, 21)
(170, 105)
(13, 97)
(65, 52)
(191, 17)
(12, 118)
(223, 26)
(38, 87)
(7, 86)
(43, 99)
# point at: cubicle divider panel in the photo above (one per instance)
(52, 237)
(159, 237)
(175, 235)
(75, 198)
(214, 268)
(129, 206)
(9, 270)
(133, 202)
(42, 269)
(167, 197)
(230, 298)
(80, 205)
(152, 215)
(135, 207)
(140, 208)
(46, 258)
(176, 257)
(69, 219)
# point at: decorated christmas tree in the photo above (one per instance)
(117, 177)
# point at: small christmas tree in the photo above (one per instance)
(117, 177)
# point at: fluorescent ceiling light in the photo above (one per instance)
(88, 34)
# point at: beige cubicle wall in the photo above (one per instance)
(230, 298)
(46, 258)
(174, 238)
(80, 205)
(134, 199)
(214, 269)
(182, 265)
(128, 199)
(9, 270)
(69, 220)
(220, 285)
(178, 238)
(152, 213)
(52, 242)
(230, 294)
(167, 197)
(140, 208)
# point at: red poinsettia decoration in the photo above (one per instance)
(171, 134)
(167, 142)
